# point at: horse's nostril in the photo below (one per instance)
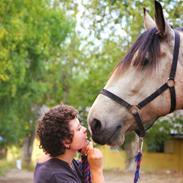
(96, 126)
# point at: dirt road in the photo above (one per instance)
(161, 177)
(17, 176)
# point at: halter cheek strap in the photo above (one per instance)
(170, 84)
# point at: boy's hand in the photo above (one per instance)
(95, 158)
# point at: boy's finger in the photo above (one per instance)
(89, 147)
(90, 144)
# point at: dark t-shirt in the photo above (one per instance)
(57, 171)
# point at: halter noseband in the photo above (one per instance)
(170, 84)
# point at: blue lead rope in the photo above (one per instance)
(138, 159)
(85, 169)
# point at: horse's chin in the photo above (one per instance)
(117, 141)
(119, 138)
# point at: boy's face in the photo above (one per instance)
(79, 140)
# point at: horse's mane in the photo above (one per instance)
(143, 52)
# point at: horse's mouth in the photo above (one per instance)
(110, 140)
(116, 138)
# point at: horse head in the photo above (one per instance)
(145, 85)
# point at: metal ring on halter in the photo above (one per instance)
(134, 109)
(171, 83)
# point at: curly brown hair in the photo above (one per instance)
(53, 129)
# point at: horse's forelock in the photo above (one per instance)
(144, 51)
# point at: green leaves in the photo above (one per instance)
(162, 130)
(31, 34)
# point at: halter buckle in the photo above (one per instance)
(134, 109)
(171, 83)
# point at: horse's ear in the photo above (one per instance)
(161, 24)
(149, 23)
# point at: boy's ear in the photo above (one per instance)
(67, 144)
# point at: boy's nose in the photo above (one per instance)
(84, 129)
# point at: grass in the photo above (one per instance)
(5, 166)
(29, 167)
(8, 165)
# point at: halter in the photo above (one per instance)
(170, 84)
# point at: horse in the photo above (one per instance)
(144, 86)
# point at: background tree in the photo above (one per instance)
(31, 36)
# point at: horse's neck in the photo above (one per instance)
(179, 75)
(181, 49)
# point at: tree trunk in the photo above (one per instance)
(29, 140)
(3, 152)
(27, 150)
